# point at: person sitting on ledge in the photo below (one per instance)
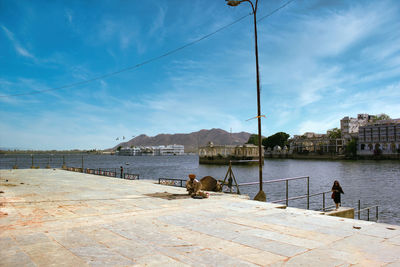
(193, 186)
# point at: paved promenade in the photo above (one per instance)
(59, 218)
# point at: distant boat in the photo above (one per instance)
(126, 163)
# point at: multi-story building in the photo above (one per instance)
(222, 154)
(349, 126)
(379, 137)
(129, 151)
(311, 142)
(152, 150)
(169, 150)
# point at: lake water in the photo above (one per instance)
(372, 182)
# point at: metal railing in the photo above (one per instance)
(109, 173)
(368, 211)
(286, 180)
(287, 198)
(324, 208)
(172, 181)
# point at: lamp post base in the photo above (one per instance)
(261, 196)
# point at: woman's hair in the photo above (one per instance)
(336, 185)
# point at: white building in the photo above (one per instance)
(169, 150)
(380, 137)
(129, 151)
(349, 126)
(152, 150)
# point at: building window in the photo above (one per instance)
(362, 146)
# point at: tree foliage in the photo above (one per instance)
(351, 148)
(380, 117)
(253, 139)
(335, 133)
(280, 139)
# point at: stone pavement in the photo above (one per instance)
(60, 218)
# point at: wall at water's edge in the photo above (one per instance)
(225, 161)
(342, 212)
(332, 156)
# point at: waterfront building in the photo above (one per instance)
(222, 154)
(379, 138)
(349, 126)
(129, 151)
(152, 150)
(169, 150)
(316, 143)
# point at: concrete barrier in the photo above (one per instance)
(343, 212)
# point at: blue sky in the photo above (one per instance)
(319, 61)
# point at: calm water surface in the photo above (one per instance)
(372, 182)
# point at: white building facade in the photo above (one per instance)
(379, 138)
(152, 150)
(350, 126)
(169, 150)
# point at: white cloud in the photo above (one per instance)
(317, 126)
(18, 47)
(158, 22)
(68, 15)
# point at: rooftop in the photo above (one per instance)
(54, 217)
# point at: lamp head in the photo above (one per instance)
(233, 2)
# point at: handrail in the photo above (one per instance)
(174, 180)
(299, 197)
(368, 209)
(275, 181)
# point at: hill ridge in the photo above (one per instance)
(191, 141)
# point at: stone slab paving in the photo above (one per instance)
(60, 218)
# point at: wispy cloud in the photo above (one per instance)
(157, 27)
(68, 15)
(17, 46)
(319, 61)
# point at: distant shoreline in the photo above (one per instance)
(51, 152)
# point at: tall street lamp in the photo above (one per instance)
(260, 195)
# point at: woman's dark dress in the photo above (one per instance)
(337, 190)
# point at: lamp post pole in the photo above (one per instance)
(260, 195)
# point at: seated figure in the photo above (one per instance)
(193, 186)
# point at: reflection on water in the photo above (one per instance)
(373, 182)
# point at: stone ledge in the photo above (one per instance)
(343, 212)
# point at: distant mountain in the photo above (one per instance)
(191, 141)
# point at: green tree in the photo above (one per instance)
(351, 148)
(280, 139)
(119, 148)
(380, 117)
(253, 139)
(335, 133)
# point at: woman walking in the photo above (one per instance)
(336, 191)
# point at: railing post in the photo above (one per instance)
(287, 193)
(368, 213)
(181, 183)
(376, 213)
(359, 207)
(308, 192)
(159, 180)
(63, 165)
(16, 163)
(323, 201)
